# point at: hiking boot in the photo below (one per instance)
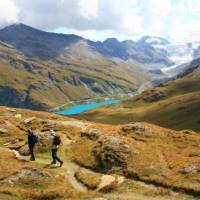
(53, 162)
(61, 163)
(32, 159)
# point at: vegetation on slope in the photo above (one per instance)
(133, 161)
(174, 105)
(43, 84)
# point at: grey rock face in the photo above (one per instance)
(112, 153)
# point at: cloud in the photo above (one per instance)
(8, 12)
(127, 19)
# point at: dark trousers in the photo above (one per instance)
(31, 149)
(55, 156)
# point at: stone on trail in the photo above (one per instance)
(28, 120)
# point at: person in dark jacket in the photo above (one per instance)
(56, 142)
(32, 140)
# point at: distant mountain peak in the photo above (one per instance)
(154, 40)
(111, 40)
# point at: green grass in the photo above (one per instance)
(178, 107)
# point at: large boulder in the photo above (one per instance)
(112, 154)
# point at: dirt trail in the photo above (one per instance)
(69, 168)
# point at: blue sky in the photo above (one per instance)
(177, 20)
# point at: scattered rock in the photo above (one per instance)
(13, 110)
(92, 134)
(100, 198)
(3, 131)
(189, 132)
(28, 120)
(18, 116)
(192, 169)
(137, 127)
(14, 140)
(112, 153)
(24, 150)
(17, 145)
(16, 177)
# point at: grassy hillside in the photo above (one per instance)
(126, 162)
(174, 105)
(44, 84)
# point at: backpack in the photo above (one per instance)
(56, 140)
(34, 138)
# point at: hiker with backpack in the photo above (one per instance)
(56, 142)
(33, 138)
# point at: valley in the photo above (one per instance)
(127, 113)
(173, 105)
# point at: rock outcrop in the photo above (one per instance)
(137, 127)
(112, 153)
(92, 134)
(18, 176)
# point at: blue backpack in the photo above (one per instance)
(34, 138)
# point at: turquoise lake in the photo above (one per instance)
(78, 109)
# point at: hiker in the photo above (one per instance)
(32, 140)
(56, 142)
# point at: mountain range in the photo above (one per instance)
(43, 70)
(144, 147)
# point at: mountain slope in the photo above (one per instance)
(126, 50)
(174, 105)
(77, 73)
(35, 43)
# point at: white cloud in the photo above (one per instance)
(8, 12)
(127, 19)
(89, 8)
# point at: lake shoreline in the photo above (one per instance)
(78, 109)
